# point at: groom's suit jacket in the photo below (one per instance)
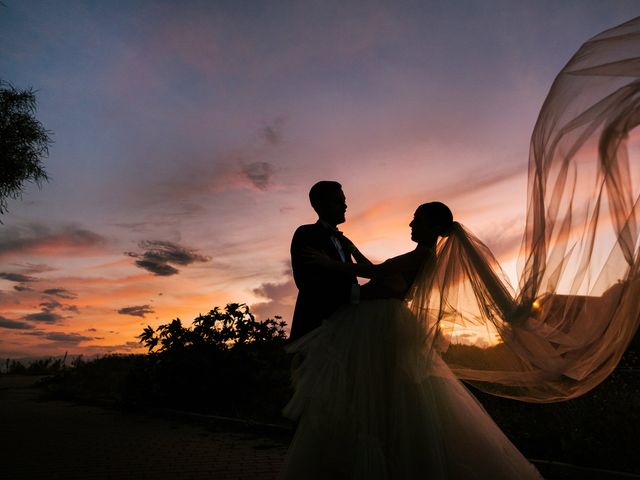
(320, 291)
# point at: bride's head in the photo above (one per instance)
(431, 220)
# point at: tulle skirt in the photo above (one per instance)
(372, 400)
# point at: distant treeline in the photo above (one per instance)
(42, 366)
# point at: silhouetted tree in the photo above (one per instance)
(23, 143)
(224, 329)
(225, 362)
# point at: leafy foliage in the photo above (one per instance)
(224, 329)
(225, 363)
(23, 142)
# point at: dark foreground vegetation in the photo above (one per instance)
(227, 363)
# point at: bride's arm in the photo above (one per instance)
(358, 256)
(364, 270)
(367, 270)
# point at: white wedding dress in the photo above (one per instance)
(375, 401)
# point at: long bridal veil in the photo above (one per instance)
(577, 304)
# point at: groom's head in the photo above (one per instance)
(329, 202)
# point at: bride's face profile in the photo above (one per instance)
(430, 221)
(422, 229)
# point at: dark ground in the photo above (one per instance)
(60, 440)
(51, 439)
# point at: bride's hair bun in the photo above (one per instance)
(439, 214)
(445, 232)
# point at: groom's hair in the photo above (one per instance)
(321, 191)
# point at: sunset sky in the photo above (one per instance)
(187, 135)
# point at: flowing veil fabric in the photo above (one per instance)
(577, 305)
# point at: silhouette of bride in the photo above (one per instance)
(378, 394)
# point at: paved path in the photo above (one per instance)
(61, 440)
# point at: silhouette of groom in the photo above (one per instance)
(321, 291)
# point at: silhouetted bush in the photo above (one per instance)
(226, 363)
(112, 380)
